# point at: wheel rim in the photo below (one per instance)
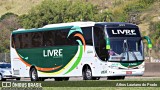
(88, 73)
(34, 74)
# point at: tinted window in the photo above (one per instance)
(37, 39)
(87, 33)
(61, 37)
(49, 38)
(43, 39)
(25, 43)
(100, 44)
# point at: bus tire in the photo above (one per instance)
(61, 78)
(87, 73)
(116, 78)
(18, 79)
(95, 78)
(33, 74)
(41, 79)
(65, 78)
(58, 78)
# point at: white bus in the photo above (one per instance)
(88, 49)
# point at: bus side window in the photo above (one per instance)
(25, 41)
(37, 39)
(100, 44)
(49, 38)
(61, 37)
(87, 33)
(13, 41)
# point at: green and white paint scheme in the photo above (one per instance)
(68, 61)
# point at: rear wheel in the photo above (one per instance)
(87, 73)
(61, 78)
(33, 74)
(41, 79)
(65, 78)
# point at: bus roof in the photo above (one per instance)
(59, 26)
(80, 24)
(116, 24)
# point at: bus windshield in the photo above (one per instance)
(126, 49)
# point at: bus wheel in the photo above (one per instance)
(61, 78)
(58, 79)
(95, 78)
(115, 77)
(41, 79)
(65, 78)
(87, 73)
(18, 79)
(33, 74)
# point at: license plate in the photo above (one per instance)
(128, 72)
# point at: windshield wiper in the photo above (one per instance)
(133, 54)
(125, 49)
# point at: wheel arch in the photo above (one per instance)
(33, 66)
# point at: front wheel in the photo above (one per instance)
(87, 73)
(95, 78)
(33, 74)
(116, 78)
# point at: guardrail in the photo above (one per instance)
(152, 69)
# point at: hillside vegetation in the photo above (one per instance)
(18, 7)
(37, 13)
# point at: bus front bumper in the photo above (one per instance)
(126, 72)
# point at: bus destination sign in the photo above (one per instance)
(123, 32)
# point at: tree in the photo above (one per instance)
(8, 22)
(59, 11)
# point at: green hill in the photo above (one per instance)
(17, 6)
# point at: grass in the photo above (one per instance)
(110, 88)
(140, 80)
(101, 88)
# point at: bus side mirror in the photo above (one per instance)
(108, 44)
(148, 41)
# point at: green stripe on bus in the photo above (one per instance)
(77, 61)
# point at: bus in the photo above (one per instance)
(78, 49)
